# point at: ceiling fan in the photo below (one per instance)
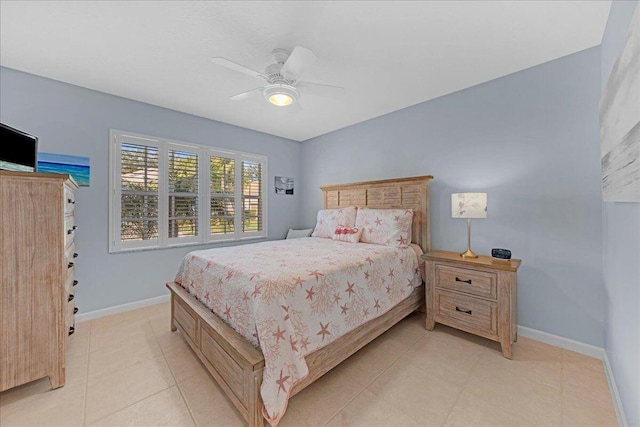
(283, 87)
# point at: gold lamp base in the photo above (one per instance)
(468, 254)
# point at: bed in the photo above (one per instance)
(234, 358)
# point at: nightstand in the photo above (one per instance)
(476, 295)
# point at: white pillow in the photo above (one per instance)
(296, 234)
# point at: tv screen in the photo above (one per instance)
(18, 150)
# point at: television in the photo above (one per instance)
(18, 150)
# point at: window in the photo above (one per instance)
(166, 193)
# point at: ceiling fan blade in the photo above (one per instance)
(246, 95)
(321, 90)
(237, 67)
(298, 61)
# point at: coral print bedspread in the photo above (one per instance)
(291, 297)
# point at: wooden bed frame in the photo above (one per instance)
(237, 366)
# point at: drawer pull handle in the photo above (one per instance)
(465, 281)
(75, 282)
(71, 297)
(71, 201)
(72, 229)
(75, 310)
(72, 329)
(463, 311)
(75, 255)
(70, 265)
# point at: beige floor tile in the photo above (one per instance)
(369, 362)
(581, 413)
(522, 367)
(136, 336)
(320, 401)
(119, 321)
(164, 307)
(408, 331)
(76, 366)
(208, 404)
(422, 396)
(535, 402)
(162, 409)
(584, 381)
(447, 356)
(130, 351)
(292, 418)
(35, 404)
(470, 411)
(184, 364)
(79, 342)
(116, 390)
(369, 410)
(168, 341)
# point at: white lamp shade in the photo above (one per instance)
(469, 205)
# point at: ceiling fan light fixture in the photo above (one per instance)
(280, 95)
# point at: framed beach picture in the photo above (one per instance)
(76, 166)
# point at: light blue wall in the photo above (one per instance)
(621, 252)
(530, 140)
(73, 120)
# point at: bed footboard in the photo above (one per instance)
(234, 363)
(237, 366)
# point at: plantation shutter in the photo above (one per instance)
(252, 202)
(138, 192)
(222, 204)
(182, 171)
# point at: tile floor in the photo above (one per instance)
(130, 370)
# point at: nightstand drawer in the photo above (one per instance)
(468, 281)
(470, 314)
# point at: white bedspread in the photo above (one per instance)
(292, 297)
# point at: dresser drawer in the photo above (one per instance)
(471, 282)
(69, 230)
(69, 201)
(70, 282)
(473, 315)
(186, 319)
(70, 315)
(70, 256)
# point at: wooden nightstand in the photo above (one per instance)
(476, 295)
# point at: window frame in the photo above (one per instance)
(204, 153)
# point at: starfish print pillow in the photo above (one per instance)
(330, 219)
(389, 227)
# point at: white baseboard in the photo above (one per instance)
(562, 342)
(617, 402)
(587, 350)
(83, 317)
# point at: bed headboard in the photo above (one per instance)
(399, 193)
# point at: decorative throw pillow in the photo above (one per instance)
(295, 234)
(330, 219)
(347, 234)
(389, 227)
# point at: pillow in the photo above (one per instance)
(389, 227)
(296, 234)
(347, 234)
(330, 219)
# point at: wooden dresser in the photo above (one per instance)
(477, 295)
(37, 282)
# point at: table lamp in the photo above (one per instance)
(469, 205)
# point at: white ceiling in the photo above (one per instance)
(388, 55)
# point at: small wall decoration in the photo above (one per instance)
(284, 185)
(76, 166)
(620, 123)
